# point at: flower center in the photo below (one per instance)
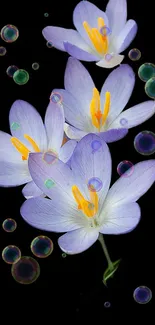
(99, 40)
(99, 118)
(22, 149)
(89, 208)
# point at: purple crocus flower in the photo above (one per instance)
(82, 204)
(100, 36)
(87, 111)
(29, 134)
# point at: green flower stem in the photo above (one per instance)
(101, 240)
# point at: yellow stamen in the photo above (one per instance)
(32, 142)
(99, 41)
(21, 148)
(106, 107)
(89, 208)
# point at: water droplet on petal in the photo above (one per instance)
(50, 157)
(96, 145)
(15, 126)
(105, 31)
(49, 183)
(123, 121)
(94, 184)
(56, 98)
(108, 56)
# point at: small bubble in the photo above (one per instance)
(56, 98)
(134, 54)
(42, 246)
(26, 270)
(125, 168)
(142, 295)
(108, 57)
(96, 145)
(11, 254)
(11, 70)
(50, 157)
(35, 66)
(123, 121)
(9, 225)
(46, 14)
(144, 143)
(150, 88)
(63, 255)
(49, 183)
(94, 184)
(107, 304)
(21, 77)
(2, 51)
(15, 126)
(146, 71)
(105, 31)
(91, 206)
(9, 33)
(49, 44)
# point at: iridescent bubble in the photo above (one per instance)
(46, 14)
(134, 54)
(9, 225)
(126, 167)
(56, 98)
(144, 143)
(26, 270)
(107, 304)
(2, 51)
(91, 206)
(142, 295)
(21, 77)
(35, 66)
(96, 145)
(11, 254)
(146, 71)
(63, 255)
(11, 70)
(123, 121)
(9, 33)
(49, 183)
(49, 44)
(105, 31)
(42, 246)
(94, 184)
(150, 88)
(108, 56)
(50, 157)
(15, 126)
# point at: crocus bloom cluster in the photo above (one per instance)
(88, 111)
(100, 36)
(29, 134)
(82, 204)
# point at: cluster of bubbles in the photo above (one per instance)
(144, 143)
(134, 54)
(142, 295)
(146, 73)
(125, 168)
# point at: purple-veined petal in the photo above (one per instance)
(75, 113)
(73, 133)
(126, 36)
(87, 11)
(116, 60)
(116, 12)
(59, 35)
(120, 219)
(77, 241)
(7, 150)
(50, 215)
(24, 119)
(120, 84)
(113, 135)
(55, 178)
(80, 84)
(130, 189)
(31, 190)
(91, 161)
(79, 53)
(54, 123)
(14, 173)
(135, 115)
(66, 150)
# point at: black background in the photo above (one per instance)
(76, 281)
